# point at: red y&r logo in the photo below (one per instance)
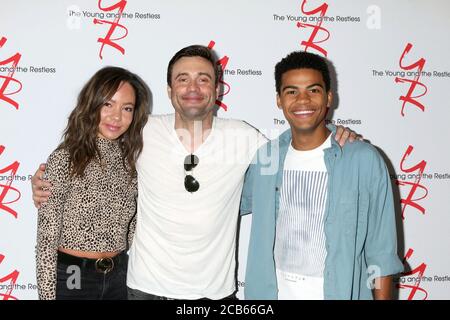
(409, 98)
(12, 278)
(108, 40)
(8, 78)
(5, 188)
(223, 63)
(419, 170)
(420, 270)
(310, 43)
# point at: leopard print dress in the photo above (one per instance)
(92, 213)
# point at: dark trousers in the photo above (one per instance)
(134, 294)
(81, 279)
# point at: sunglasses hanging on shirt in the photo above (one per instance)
(190, 183)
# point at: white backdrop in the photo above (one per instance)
(49, 48)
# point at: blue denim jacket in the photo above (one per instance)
(360, 228)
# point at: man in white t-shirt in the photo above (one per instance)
(190, 176)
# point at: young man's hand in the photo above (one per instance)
(383, 288)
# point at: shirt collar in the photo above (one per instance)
(286, 137)
(105, 146)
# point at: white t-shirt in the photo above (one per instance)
(184, 245)
(300, 239)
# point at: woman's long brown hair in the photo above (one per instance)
(80, 135)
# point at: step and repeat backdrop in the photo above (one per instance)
(391, 81)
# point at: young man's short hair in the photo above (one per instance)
(302, 60)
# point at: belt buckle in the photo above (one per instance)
(104, 265)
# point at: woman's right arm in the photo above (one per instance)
(50, 224)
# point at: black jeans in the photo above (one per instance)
(134, 294)
(81, 279)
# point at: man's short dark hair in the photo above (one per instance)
(302, 60)
(194, 51)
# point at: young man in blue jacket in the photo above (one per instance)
(323, 224)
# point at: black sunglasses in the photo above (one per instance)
(190, 183)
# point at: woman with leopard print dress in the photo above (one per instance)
(85, 227)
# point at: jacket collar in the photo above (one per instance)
(284, 140)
